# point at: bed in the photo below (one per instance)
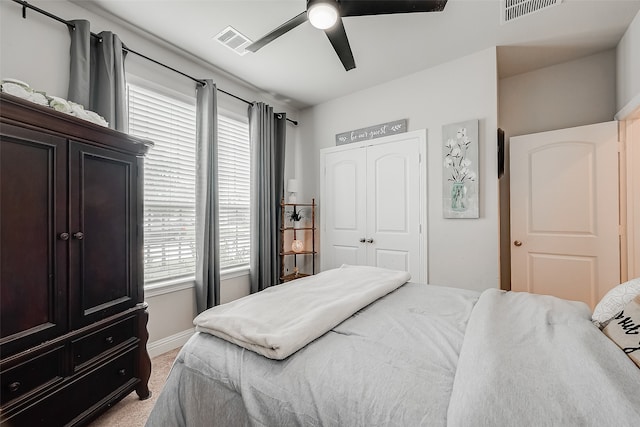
(417, 355)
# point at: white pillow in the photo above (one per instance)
(614, 301)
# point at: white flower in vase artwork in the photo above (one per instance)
(460, 155)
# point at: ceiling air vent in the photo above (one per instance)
(231, 38)
(514, 9)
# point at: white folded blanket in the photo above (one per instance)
(282, 319)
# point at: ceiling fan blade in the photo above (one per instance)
(338, 38)
(287, 26)
(383, 7)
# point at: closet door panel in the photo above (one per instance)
(32, 215)
(393, 206)
(103, 230)
(345, 214)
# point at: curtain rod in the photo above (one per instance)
(26, 6)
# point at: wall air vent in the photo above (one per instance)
(231, 38)
(514, 9)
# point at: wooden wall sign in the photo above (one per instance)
(372, 132)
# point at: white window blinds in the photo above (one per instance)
(233, 187)
(169, 182)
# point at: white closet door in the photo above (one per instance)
(393, 206)
(344, 208)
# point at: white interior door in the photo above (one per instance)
(564, 212)
(393, 206)
(344, 209)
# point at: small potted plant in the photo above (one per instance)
(295, 217)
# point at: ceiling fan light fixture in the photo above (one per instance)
(322, 14)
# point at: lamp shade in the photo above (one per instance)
(292, 185)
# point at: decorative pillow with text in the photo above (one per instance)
(613, 302)
(624, 329)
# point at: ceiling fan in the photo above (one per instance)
(327, 15)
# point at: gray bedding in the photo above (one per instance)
(405, 361)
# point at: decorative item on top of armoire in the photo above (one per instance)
(460, 170)
(297, 239)
(72, 321)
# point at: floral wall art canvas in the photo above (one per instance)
(460, 170)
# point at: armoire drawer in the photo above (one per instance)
(31, 375)
(96, 343)
(113, 380)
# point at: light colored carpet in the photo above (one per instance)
(132, 412)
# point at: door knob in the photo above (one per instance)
(78, 235)
(63, 236)
(369, 240)
(517, 243)
(362, 240)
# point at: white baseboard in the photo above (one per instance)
(169, 343)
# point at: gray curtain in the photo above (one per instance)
(207, 227)
(97, 78)
(267, 133)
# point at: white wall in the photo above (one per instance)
(569, 94)
(36, 50)
(462, 253)
(628, 73)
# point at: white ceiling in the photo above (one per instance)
(302, 69)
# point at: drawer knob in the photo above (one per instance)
(108, 340)
(14, 386)
(122, 372)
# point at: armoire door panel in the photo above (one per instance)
(101, 232)
(33, 206)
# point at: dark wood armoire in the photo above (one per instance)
(73, 323)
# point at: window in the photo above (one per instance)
(233, 178)
(169, 182)
(169, 185)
